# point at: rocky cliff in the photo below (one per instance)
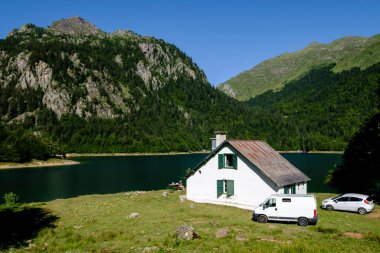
(72, 67)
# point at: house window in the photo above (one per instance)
(227, 161)
(225, 187)
(290, 189)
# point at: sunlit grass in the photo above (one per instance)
(100, 223)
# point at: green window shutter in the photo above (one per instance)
(234, 161)
(286, 189)
(219, 188)
(221, 161)
(293, 189)
(230, 188)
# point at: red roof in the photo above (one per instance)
(279, 170)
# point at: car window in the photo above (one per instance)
(342, 199)
(334, 198)
(354, 199)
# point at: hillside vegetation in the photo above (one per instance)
(74, 88)
(325, 108)
(91, 91)
(273, 74)
(101, 223)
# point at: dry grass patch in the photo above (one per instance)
(353, 235)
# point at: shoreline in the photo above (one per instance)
(311, 152)
(133, 154)
(37, 163)
(189, 153)
(62, 162)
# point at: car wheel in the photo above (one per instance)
(329, 208)
(262, 219)
(302, 222)
(362, 210)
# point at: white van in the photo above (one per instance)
(300, 208)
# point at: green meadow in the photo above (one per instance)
(101, 223)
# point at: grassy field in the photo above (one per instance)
(101, 223)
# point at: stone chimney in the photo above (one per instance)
(220, 137)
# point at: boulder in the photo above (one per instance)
(186, 232)
(134, 215)
(165, 194)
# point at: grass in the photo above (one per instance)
(100, 223)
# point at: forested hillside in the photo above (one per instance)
(90, 91)
(327, 107)
(74, 88)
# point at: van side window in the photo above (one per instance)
(286, 200)
(270, 203)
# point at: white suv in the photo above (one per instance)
(349, 202)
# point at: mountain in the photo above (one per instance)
(71, 87)
(77, 69)
(272, 74)
(84, 90)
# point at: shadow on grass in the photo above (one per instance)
(21, 224)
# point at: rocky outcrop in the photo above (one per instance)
(57, 100)
(74, 26)
(73, 80)
(156, 57)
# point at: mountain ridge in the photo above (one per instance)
(272, 74)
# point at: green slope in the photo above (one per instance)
(327, 108)
(272, 74)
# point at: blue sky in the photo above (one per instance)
(223, 37)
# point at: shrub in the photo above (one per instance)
(11, 199)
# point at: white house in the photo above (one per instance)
(243, 173)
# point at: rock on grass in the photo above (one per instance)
(186, 232)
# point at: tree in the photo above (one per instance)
(360, 169)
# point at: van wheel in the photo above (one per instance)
(329, 208)
(302, 222)
(262, 219)
(362, 210)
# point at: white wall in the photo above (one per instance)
(301, 188)
(250, 188)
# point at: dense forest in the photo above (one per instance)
(360, 169)
(128, 93)
(327, 108)
(20, 145)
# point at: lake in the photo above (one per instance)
(101, 175)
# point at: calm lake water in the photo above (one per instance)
(100, 175)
